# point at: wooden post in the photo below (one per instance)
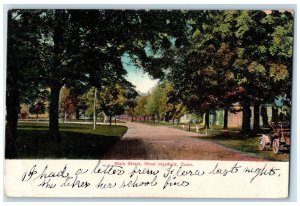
(65, 119)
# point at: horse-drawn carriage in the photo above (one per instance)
(278, 138)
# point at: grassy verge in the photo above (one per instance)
(248, 145)
(156, 123)
(78, 141)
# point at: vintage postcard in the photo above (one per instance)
(148, 103)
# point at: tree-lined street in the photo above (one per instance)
(73, 65)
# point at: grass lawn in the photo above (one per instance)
(78, 141)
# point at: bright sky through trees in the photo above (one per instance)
(143, 82)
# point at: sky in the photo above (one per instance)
(143, 81)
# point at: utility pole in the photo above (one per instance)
(95, 108)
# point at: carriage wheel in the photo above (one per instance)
(262, 143)
(275, 146)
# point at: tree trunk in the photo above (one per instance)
(12, 108)
(206, 119)
(214, 121)
(246, 118)
(173, 120)
(256, 126)
(53, 113)
(166, 116)
(110, 119)
(144, 118)
(12, 94)
(274, 114)
(225, 126)
(56, 86)
(264, 115)
(77, 113)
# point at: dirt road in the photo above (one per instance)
(160, 142)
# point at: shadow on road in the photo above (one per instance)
(133, 149)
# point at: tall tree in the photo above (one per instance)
(89, 44)
(205, 73)
(229, 57)
(256, 35)
(140, 109)
(158, 104)
(113, 99)
(22, 59)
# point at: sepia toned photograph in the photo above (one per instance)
(149, 84)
